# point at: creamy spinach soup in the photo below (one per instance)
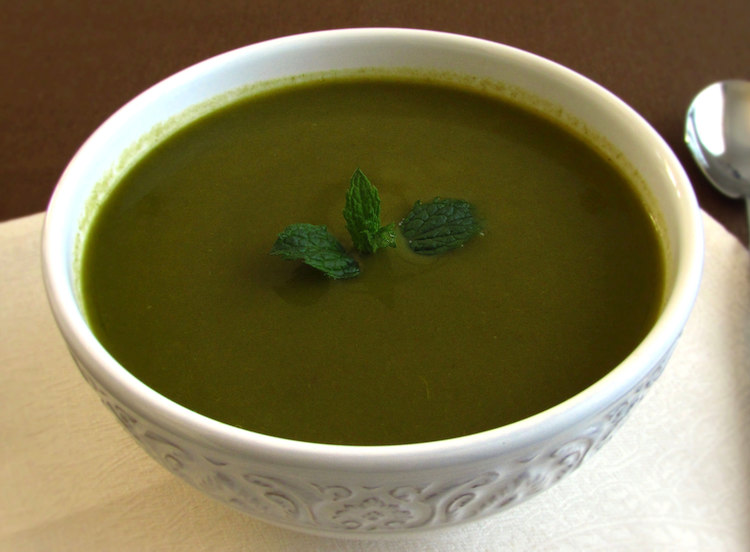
(565, 280)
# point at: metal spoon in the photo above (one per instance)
(717, 132)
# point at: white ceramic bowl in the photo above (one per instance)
(380, 489)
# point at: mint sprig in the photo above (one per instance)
(429, 228)
(315, 246)
(362, 215)
(439, 226)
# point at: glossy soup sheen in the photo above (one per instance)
(179, 285)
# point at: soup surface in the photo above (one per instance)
(179, 285)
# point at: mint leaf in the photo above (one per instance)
(362, 215)
(440, 226)
(315, 246)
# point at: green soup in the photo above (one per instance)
(179, 285)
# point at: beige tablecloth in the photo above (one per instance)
(675, 477)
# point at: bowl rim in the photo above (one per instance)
(161, 411)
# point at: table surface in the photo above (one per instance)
(69, 65)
